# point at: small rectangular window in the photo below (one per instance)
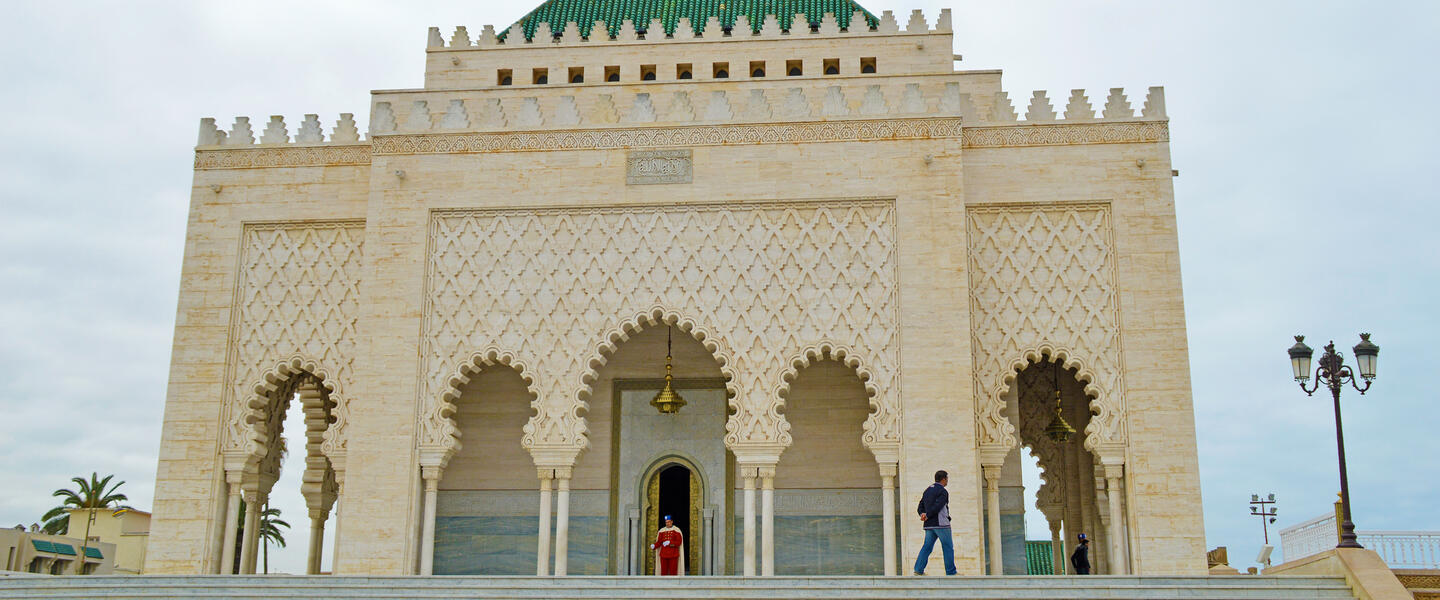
(684, 71)
(540, 76)
(794, 68)
(832, 66)
(757, 68)
(867, 64)
(721, 70)
(612, 73)
(503, 77)
(647, 72)
(577, 75)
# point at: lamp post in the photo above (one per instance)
(1334, 373)
(1260, 507)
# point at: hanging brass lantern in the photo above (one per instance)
(668, 402)
(1058, 429)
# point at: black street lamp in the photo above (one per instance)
(1334, 373)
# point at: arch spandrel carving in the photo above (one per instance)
(1042, 283)
(296, 308)
(548, 283)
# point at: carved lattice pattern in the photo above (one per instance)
(297, 303)
(757, 284)
(1042, 282)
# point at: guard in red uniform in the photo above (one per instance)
(669, 549)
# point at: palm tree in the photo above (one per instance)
(270, 525)
(92, 494)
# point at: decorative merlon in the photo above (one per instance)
(572, 33)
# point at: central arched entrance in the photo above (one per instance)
(674, 487)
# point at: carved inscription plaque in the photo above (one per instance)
(647, 167)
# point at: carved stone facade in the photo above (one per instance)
(516, 236)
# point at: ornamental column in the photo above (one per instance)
(252, 528)
(562, 522)
(767, 520)
(431, 476)
(232, 523)
(542, 553)
(1115, 532)
(748, 474)
(992, 514)
(1057, 548)
(317, 542)
(887, 513)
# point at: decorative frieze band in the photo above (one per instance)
(1066, 134)
(283, 156)
(653, 137)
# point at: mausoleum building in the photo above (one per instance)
(765, 273)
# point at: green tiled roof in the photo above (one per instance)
(1038, 558)
(93, 552)
(43, 546)
(65, 549)
(640, 12)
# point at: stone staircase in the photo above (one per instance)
(606, 588)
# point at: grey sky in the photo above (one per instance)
(1303, 132)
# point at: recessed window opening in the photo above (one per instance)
(867, 64)
(540, 76)
(502, 77)
(794, 68)
(683, 71)
(832, 66)
(577, 74)
(647, 72)
(612, 73)
(757, 68)
(721, 70)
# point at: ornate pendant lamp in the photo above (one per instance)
(1058, 429)
(667, 401)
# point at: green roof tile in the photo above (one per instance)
(93, 552)
(65, 549)
(584, 13)
(1038, 558)
(43, 546)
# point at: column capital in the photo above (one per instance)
(993, 454)
(234, 477)
(545, 473)
(766, 474)
(889, 469)
(564, 473)
(431, 473)
(435, 456)
(992, 474)
(1114, 471)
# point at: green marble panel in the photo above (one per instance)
(507, 545)
(823, 545)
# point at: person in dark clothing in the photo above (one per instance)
(1081, 558)
(934, 511)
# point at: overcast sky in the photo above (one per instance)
(1304, 133)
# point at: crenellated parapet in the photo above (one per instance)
(274, 145)
(797, 26)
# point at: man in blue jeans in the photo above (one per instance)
(934, 512)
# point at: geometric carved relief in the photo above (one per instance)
(1042, 282)
(760, 285)
(296, 306)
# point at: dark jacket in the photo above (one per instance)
(1081, 559)
(932, 502)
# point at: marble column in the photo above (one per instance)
(317, 542)
(767, 520)
(248, 546)
(887, 514)
(1113, 492)
(562, 522)
(335, 527)
(431, 477)
(992, 514)
(232, 524)
(1057, 548)
(542, 553)
(748, 474)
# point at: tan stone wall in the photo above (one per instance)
(825, 408)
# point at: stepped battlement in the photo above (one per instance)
(491, 111)
(628, 52)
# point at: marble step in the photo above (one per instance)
(607, 588)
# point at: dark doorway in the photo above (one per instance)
(675, 499)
